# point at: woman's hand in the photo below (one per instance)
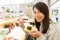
(35, 33)
(8, 38)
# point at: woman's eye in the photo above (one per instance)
(38, 12)
(34, 12)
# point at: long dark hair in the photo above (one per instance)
(42, 7)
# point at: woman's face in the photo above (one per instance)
(39, 16)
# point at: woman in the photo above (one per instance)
(47, 30)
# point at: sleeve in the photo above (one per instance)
(51, 34)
